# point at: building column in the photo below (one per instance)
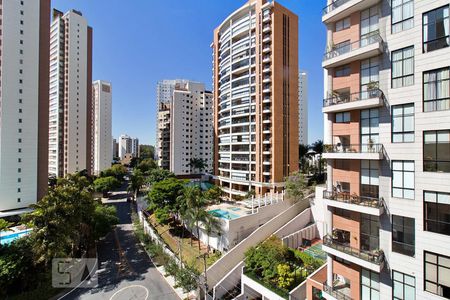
(329, 271)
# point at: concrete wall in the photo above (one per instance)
(299, 293)
(295, 239)
(230, 281)
(292, 226)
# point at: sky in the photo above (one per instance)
(139, 42)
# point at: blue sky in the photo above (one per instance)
(139, 42)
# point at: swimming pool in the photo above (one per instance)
(220, 213)
(8, 239)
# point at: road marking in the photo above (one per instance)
(132, 286)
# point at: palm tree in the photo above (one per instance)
(212, 224)
(137, 179)
(187, 201)
(197, 163)
(302, 151)
(317, 146)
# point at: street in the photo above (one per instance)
(125, 270)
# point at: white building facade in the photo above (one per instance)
(303, 108)
(102, 101)
(70, 124)
(125, 145)
(24, 44)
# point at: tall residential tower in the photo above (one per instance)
(70, 129)
(386, 218)
(255, 59)
(102, 102)
(303, 108)
(24, 75)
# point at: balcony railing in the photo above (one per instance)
(370, 39)
(335, 293)
(345, 197)
(358, 96)
(333, 6)
(354, 148)
(376, 256)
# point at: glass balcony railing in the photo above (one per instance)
(353, 97)
(333, 6)
(354, 148)
(345, 197)
(339, 50)
(374, 256)
(336, 293)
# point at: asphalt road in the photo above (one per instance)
(125, 271)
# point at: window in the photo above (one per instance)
(403, 123)
(370, 285)
(403, 235)
(404, 286)
(343, 117)
(403, 179)
(369, 75)
(369, 232)
(342, 71)
(436, 151)
(369, 178)
(369, 129)
(369, 22)
(436, 29)
(437, 274)
(436, 90)
(437, 212)
(343, 24)
(403, 67)
(402, 15)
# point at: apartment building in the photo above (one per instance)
(102, 102)
(387, 135)
(164, 95)
(135, 147)
(255, 75)
(24, 74)
(115, 148)
(191, 130)
(125, 145)
(303, 108)
(71, 109)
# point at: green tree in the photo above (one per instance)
(214, 194)
(105, 217)
(105, 184)
(165, 193)
(162, 215)
(317, 147)
(285, 276)
(302, 153)
(212, 224)
(296, 186)
(117, 170)
(157, 175)
(147, 151)
(146, 165)
(187, 278)
(4, 225)
(197, 164)
(137, 179)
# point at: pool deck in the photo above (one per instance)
(233, 209)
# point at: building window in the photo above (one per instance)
(436, 29)
(403, 67)
(404, 286)
(370, 232)
(436, 151)
(403, 235)
(343, 117)
(402, 15)
(370, 285)
(403, 123)
(437, 212)
(342, 24)
(436, 90)
(369, 24)
(403, 179)
(369, 129)
(369, 75)
(342, 71)
(437, 274)
(369, 178)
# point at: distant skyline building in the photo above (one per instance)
(125, 145)
(303, 108)
(102, 102)
(191, 128)
(255, 75)
(24, 94)
(164, 94)
(135, 147)
(70, 120)
(115, 148)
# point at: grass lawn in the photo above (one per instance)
(171, 234)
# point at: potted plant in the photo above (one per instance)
(372, 89)
(370, 145)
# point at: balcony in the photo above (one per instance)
(359, 100)
(340, 9)
(267, 28)
(373, 260)
(356, 151)
(368, 46)
(362, 204)
(337, 292)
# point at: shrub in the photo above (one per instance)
(187, 278)
(172, 267)
(285, 276)
(162, 215)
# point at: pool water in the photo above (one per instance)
(8, 239)
(220, 213)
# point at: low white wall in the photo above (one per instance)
(230, 281)
(299, 293)
(318, 209)
(300, 221)
(255, 286)
(227, 262)
(295, 239)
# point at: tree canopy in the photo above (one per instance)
(164, 193)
